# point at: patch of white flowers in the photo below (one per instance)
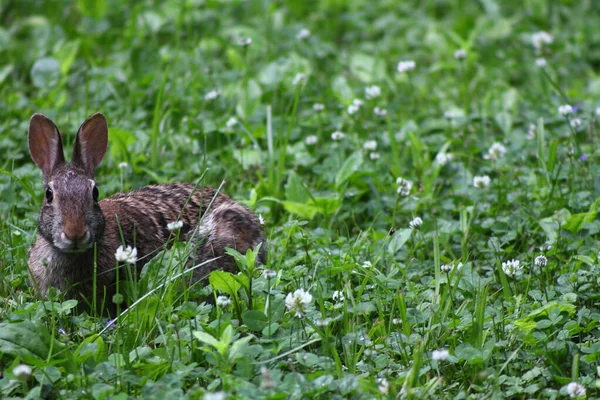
(565, 109)
(443, 158)
(337, 135)
(22, 371)
(175, 225)
(223, 301)
(575, 123)
(372, 92)
(318, 107)
(355, 106)
(374, 156)
(231, 122)
(127, 254)
(481, 181)
(460, 54)
(406, 66)
(440, 355)
(541, 62)
(495, 152)
(298, 79)
(447, 268)
(416, 223)
(541, 261)
(337, 296)
(539, 39)
(382, 112)
(370, 145)
(298, 302)
(311, 140)
(575, 389)
(404, 186)
(512, 268)
(303, 34)
(213, 94)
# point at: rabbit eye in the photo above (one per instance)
(95, 193)
(49, 195)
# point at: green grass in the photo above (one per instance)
(383, 296)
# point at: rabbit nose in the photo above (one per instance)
(76, 234)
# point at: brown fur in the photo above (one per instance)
(73, 226)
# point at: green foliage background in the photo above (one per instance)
(335, 221)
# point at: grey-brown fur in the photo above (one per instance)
(73, 226)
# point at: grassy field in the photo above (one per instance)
(426, 172)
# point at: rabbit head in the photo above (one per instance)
(70, 218)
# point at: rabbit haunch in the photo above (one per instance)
(76, 230)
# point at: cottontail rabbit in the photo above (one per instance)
(76, 230)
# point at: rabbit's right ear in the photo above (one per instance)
(90, 144)
(45, 144)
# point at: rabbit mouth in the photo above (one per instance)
(67, 245)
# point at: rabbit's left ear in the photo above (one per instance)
(90, 144)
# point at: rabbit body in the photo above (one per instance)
(79, 235)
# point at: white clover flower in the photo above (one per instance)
(384, 386)
(269, 273)
(565, 109)
(406, 66)
(531, 131)
(495, 152)
(575, 389)
(512, 268)
(322, 322)
(299, 78)
(541, 62)
(370, 145)
(311, 140)
(245, 42)
(220, 395)
(267, 381)
(298, 302)
(416, 223)
(318, 107)
(22, 371)
(372, 92)
(367, 264)
(481, 181)
(352, 109)
(303, 34)
(127, 254)
(539, 39)
(231, 122)
(575, 122)
(338, 296)
(396, 321)
(440, 355)
(446, 267)
(213, 94)
(175, 225)
(460, 54)
(261, 220)
(123, 165)
(443, 158)
(223, 301)
(404, 186)
(382, 112)
(337, 135)
(374, 156)
(597, 111)
(541, 261)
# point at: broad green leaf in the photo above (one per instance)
(551, 225)
(45, 73)
(225, 282)
(303, 210)
(342, 90)
(529, 322)
(398, 240)
(92, 8)
(5, 72)
(255, 320)
(575, 223)
(295, 191)
(350, 166)
(66, 55)
(248, 157)
(367, 68)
